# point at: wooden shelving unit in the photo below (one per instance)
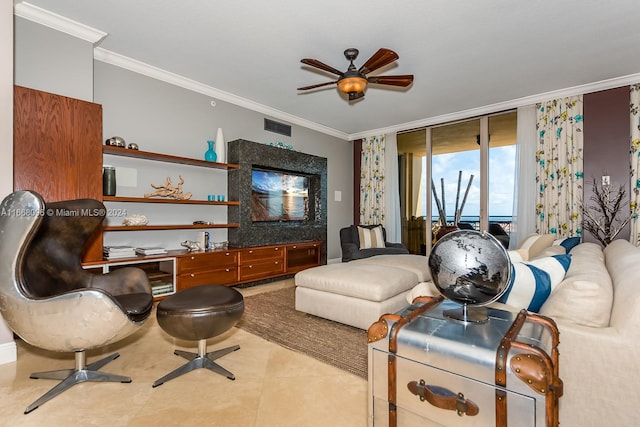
(166, 227)
(170, 201)
(147, 155)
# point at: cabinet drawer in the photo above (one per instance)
(224, 276)
(261, 270)
(253, 255)
(206, 261)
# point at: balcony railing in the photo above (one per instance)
(414, 229)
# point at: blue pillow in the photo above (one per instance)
(567, 243)
(532, 282)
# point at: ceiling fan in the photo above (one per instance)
(354, 81)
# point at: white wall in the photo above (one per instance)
(52, 61)
(169, 119)
(7, 345)
(165, 118)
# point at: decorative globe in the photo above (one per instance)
(470, 267)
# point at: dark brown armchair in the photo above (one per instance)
(50, 301)
(350, 243)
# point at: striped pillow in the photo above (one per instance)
(567, 243)
(532, 282)
(371, 237)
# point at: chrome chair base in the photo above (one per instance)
(202, 359)
(70, 377)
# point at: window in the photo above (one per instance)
(469, 176)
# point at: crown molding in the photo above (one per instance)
(139, 67)
(502, 106)
(58, 22)
(41, 16)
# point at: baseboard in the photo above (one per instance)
(8, 352)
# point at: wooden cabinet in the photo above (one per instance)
(261, 263)
(243, 265)
(57, 150)
(208, 268)
(300, 256)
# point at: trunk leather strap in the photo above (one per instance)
(443, 398)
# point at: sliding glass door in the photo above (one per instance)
(457, 175)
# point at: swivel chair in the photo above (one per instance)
(50, 301)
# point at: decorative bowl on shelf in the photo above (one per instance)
(135, 220)
(220, 245)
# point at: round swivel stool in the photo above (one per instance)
(199, 313)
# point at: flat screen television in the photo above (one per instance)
(279, 196)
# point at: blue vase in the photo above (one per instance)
(210, 155)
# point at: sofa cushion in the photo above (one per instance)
(535, 243)
(532, 282)
(365, 281)
(418, 264)
(585, 296)
(371, 237)
(518, 255)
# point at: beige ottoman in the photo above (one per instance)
(418, 264)
(355, 294)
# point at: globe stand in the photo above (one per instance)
(468, 314)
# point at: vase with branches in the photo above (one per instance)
(604, 218)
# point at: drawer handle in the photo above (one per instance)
(192, 258)
(443, 398)
(192, 275)
(250, 252)
(295, 247)
(277, 262)
(276, 249)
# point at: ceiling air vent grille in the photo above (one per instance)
(276, 127)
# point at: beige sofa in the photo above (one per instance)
(597, 310)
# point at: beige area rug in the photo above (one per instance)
(272, 316)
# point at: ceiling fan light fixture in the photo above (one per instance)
(355, 84)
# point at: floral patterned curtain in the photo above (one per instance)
(372, 205)
(634, 170)
(559, 174)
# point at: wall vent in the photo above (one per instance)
(273, 126)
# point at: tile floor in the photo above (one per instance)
(273, 387)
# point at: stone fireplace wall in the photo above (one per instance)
(249, 154)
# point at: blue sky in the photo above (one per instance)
(501, 180)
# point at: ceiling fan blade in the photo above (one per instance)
(355, 95)
(321, 65)
(404, 80)
(317, 85)
(379, 59)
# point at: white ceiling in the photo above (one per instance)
(465, 55)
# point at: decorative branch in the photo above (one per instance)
(456, 214)
(464, 199)
(601, 218)
(169, 190)
(443, 219)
